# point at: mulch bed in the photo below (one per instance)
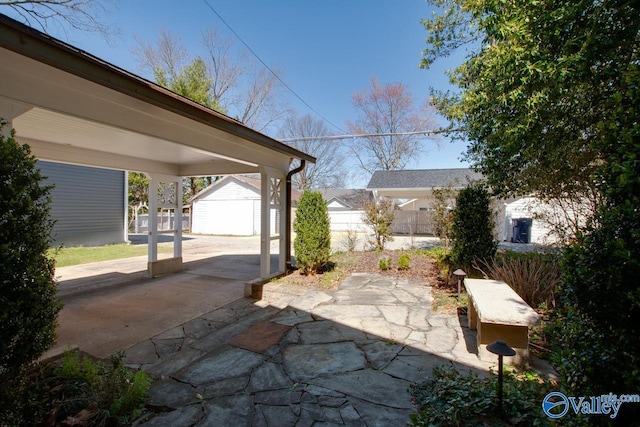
(342, 265)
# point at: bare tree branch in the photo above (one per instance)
(388, 109)
(329, 169)
(225, 72)
(83, 15)
(168, 55)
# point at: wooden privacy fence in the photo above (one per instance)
(412, 222)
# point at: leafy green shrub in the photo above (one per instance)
(111, 392)
(28, 303)
(379, 215)
(404, 262)
(598, 346)
(385, 263)
(442, 256)
(472, 227)
(312, 244)
(24, 396)
(534, 276)
(454, 399)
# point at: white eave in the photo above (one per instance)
(72, 107)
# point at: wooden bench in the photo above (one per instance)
(498, 313)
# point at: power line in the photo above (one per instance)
(365, 135)
(269, 68)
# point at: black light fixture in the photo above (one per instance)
(502, 349)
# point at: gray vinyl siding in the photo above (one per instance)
(87, 204)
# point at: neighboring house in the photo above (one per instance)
(413, 191)
(516, 220)
(415, 187)
(231, 206)
(345, 208)
(88, 204)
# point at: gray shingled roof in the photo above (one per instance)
(423, 178)
(350, 197)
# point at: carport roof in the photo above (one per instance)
(72, 107)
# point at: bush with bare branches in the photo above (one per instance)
(534, 276)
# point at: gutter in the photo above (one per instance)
(287, 215)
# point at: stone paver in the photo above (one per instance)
(304, 357)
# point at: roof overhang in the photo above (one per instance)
(72, 107)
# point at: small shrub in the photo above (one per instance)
(379, 215)
(350, 240)
(312, 244)
(404, 262)
(453, 399)
(110, 392)
(385, 263)
(442, 257)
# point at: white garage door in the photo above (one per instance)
(232, 217)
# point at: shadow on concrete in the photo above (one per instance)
(242, 267)
(143, 239)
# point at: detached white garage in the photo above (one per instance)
(230, 206)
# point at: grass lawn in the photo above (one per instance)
(82, 255)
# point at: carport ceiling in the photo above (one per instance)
(72, 107)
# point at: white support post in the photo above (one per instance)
(171, 200)
(282, 261)
(265, 225)
(177, 222)
(153, 219)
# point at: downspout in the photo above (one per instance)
(287, 214)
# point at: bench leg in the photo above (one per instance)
(516, 336)
(472, 315)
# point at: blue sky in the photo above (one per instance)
(327, 50)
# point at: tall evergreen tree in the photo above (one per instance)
(28, 302)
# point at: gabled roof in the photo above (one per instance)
(422, 179)
(73, 107)
(349, 197)
(248, 181)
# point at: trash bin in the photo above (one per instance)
(521, 230)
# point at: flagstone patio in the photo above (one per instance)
(300, 357)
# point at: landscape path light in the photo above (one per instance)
(502, 349)
(459, 273)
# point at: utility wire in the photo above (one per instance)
(365, 135)
(269, 68)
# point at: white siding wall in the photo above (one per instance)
(345, 220)
(527, 207)
(231, 209)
